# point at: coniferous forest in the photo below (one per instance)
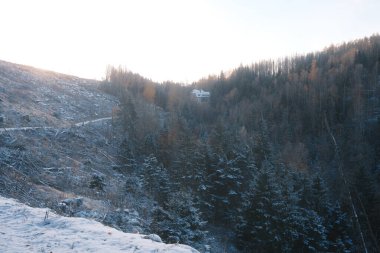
(283, 157)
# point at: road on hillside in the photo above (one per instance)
(79, 124)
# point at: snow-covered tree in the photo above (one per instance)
(179, 220)
(273, 221)
(339, 229)
(155, 178)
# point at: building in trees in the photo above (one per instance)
(200, 95)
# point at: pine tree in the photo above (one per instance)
(306, 231)
(339, 230)
(318, 199)
(206, 184)
(179, 220)
(155, 179)
(262, 219)
(225, 193)
(274, 221)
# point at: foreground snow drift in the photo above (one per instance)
(27, 229)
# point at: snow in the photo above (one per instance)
(27, 229)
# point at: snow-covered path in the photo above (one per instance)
(79, 124)
(92, 121)
(27, 229)
(10, 129)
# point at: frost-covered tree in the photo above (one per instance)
(155, 178)
(261, 221)
(227, 181)
(206, 183)
(339, 229)
(306, 231)
(179, 220)
(274, 221)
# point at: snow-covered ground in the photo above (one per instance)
(27, 229)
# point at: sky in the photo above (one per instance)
(176, 40)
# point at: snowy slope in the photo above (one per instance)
(25, 229)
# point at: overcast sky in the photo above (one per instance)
(173, 39)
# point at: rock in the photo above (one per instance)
(73, 202)
(153, 237)
(136, 230)
(70, 205)
(134, 222)
(89, 214)
(173, 239)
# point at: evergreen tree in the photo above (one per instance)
(155, 179)
(179, 220)
(306, 231)
(206, 185)
(339, 229)
(275, 222)
(262, 220)
(227, 181)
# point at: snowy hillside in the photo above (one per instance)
(27, 229)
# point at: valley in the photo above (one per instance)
(286, 149)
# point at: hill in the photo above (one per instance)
(59, 148)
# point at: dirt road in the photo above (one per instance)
(79, 124)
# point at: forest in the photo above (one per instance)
(283, 156)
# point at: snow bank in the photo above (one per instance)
(27, 229)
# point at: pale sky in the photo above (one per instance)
(176, 40)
